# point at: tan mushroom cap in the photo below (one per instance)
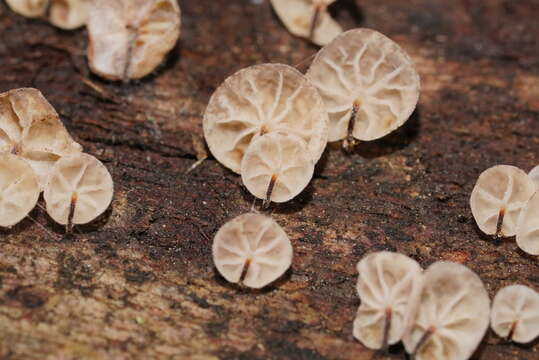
(365, 76)
(130, 38)
(31, 128)
(29, 8)
(69, 14)
(263, 99)
(79, 182)
(282, 160)
(19, 189)
(254, 247)
(385, 284)
(298, 15)
(515, 313)
(452, 314)
(501, 190)
(528, 226)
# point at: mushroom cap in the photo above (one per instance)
(19, 189)
(501, 187)
(130, 38)
(517, 307)
(297, 16)
(386, 281)
(528, 226)
(534, 174)
(256, 239)
(363, 67)
(453, 303)
(69, 14)
(263, 99)
(80, 178)
(282, 156)
(31, 128)
(29, 8)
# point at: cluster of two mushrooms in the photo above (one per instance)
(440, 313)
(38, 154)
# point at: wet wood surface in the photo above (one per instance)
(140, 284)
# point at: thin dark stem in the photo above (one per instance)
(512, 331)
(350, 141)
(245, 269)
(314, 21)
(271, 185)
(69, 226)
(387, 328)
(132, 37)
(499, 224)
(422, 342)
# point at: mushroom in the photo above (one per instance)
(534, 174)
(130, 38)
(252, 249)
(308, 19)
(515, 313)
(498, 197)
(79, 189)
(452, 314)
(19, 189)
(528, 226)
(31, 128)
(277, 167)
(385, 285)
(369, 85)
(263, 99)
(69, 14)
(29, 8)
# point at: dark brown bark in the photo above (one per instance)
(140, 283)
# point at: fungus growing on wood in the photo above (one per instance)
(369, 85)
(452, 314)
(385, 285)
(79, 189)
(130, 38)
(263, 99)
(528, 226)
(252, 249)
(498, 197)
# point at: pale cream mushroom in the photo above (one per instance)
(308, 19)
(528, 226)
(534, 174)
(252, 249)
(19, 189)
(369, 85)
(79, 189)
(515, 313)
(385, 285)
(69, 14)
(498, 197)
(31, 128)
(130, 38)
(29, 8)
(263, 99)
(452, 314)
(277, 167)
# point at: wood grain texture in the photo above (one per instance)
(140, 283)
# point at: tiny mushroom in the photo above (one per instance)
(277, 167)
(29, 8)
(69, 14)
(515, 313)
(19, 189)
(451, 316)
(262, 99)
(385, 285)
(528, 226)
(308, 19)
(252, 249)
(369, 85)
(498, 198)
(79, 189)
(130, 38)
(534, 174)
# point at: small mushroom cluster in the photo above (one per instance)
(38, 154)
(128, 39)
(505, 202)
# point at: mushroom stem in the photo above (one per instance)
(387, 327)
(129, 52)
(314, 21)
(350, 141)
(245, 269)
(267, 200)
(422, 342)
(69, 226)
(512, 331)
(499, 224)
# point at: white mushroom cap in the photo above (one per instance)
(452, 314)
(385, 285)
(298, 15)
(263, 99)
(515, 313)
(29, 8)
(130, 38)
(69, 14)
(364, 75)
(528, 226)
(534, 174)
(31, 128)
(254, 247)
(80, 183)
(498, 197)
(278, 164)
(19, 189)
